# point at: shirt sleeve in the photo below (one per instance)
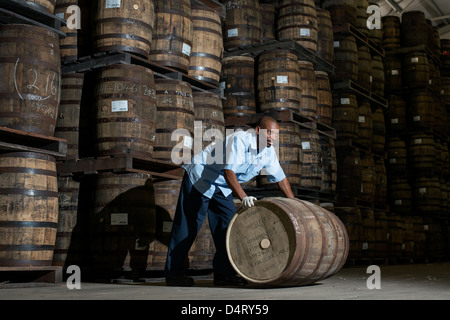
(235, 153)
(273, 171)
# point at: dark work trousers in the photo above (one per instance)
(191, 211)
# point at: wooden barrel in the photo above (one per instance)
(175, 110)
(362, 16)
(29, 211)
(378, 77)
(376, 34)
(393, 73)
(396, 113)
(290, 154)
(312, 161)
(208, 110)
(369, 239)
(426, 194)
(435, 246)
(308, 85)
(278, 80)
(325, 37)
(367, 177)
(174, 32)
(391, 32)
(328, 165)
(397, 155)
(348, 183)
(238, 81)
(421, 152)
(77, 42)
(268, 14)
(399, 195)
(68, 195)
(351, 217)
(379, 131)
(297, 21)
(207, 49)
(283, 254)
(124, 26)
(445, 89)
(365, 67)
(125, 110)
(380, 181)
(421, 109)
(413, 29)
(123, 221)
(396, 235)
(445, 56)
(345, 57)
(68, 121)
(434, 82)
(365, 124)
(202, 251)
(341, 11)
(345, 115)
(243, 24)
(31, 69)
(438, 158)
(415, 238)
(415, 69)
(324, 98)
(47, 6)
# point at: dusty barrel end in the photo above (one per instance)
(286, 242)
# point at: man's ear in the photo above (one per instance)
(257, 129)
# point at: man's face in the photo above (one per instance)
(268, 132)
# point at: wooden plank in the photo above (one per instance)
(12, 139)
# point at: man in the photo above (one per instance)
(208, 188)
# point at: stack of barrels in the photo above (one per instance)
(417, 139)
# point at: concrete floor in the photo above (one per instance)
(426, 281)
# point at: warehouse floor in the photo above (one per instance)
(426, 281)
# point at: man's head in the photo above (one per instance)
(268, 128)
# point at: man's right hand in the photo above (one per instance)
(248, 202)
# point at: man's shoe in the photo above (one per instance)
(234, 281)
(179, 281)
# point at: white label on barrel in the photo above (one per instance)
(365, 245)
(398, 202)
(416, 118)
(362, 119)
(415, 60)
(417, 141)
(442, 91)
(403, 246)
(394, 72)
(112, 4)
(119, 219)
(119, 106)
(222, 85)
(167, 226)
(233, 33)
(422, 190)
(345, 100)
(371, 79)
(188, 142)
(282, 79)
(394, 120)
(306, 146)
(60, 15)
(356, 161)
(186, 49)
(430, 81)
(393, 160)
(425, 227)
(305, 32)
(336, 44)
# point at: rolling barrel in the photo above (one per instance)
(286, 242)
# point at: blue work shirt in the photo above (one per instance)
(240, 154)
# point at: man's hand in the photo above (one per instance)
(248, 202)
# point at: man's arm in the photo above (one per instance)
(285, 186)
(233, 183)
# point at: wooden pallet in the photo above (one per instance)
(120, 164)
(24, 276)
(17, 140)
